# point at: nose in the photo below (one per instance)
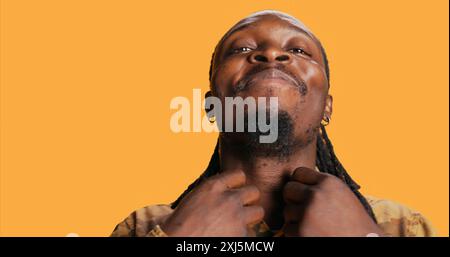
(270, 55)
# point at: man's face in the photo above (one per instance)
(271, 57)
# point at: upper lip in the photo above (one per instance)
(272, 73)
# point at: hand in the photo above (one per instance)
(221, 206)
(319, 204)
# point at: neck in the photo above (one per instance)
(268, 173)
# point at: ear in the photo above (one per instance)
(328, 107)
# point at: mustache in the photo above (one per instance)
(298, 82)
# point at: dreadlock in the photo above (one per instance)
(326, 160)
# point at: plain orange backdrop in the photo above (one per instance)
(86, 87)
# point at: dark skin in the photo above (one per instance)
(286, 193)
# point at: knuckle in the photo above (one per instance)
(233, 198)
(254, 190)
(259, 212)
(213, 184)
(208, 183)
(240, 173)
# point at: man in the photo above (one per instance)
(293, 187)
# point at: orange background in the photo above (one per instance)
(86, 87)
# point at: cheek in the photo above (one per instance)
(314, 76)
(309, 110)
(317, 83)
(226, 75)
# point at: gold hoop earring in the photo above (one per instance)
(325, 121)
(212, 119)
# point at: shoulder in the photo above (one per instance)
(142, 221)
(398, 220)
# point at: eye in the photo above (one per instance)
(297, 50)
(241, 50)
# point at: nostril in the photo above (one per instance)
(282, 58)
(261, 58)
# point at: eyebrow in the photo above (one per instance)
(308, 33)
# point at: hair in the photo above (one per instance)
(326, 160)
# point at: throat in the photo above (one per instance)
(269, 175)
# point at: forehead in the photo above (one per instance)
(268, 20)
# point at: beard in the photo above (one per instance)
(247, 144)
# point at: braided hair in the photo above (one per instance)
(326, 160)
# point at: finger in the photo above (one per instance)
(253, 214)
(232, 178)
(296, 192)
(293, 213)
(306, 176)
(249, 194)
